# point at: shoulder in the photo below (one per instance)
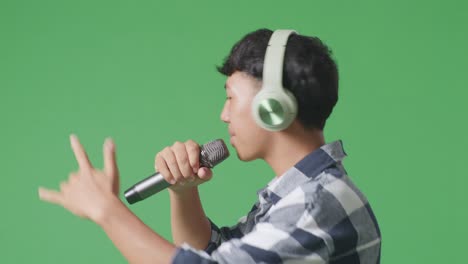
(331, 207)
(331, 194)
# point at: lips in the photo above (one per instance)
(231, 140)
(231, 133)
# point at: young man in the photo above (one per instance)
(309, 213)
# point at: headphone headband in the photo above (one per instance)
(274, 56)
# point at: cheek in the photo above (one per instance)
(244, 107)
(243, 117)
(246, 123)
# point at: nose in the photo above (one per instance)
(225, 113)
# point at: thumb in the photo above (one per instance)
(50, 196)
(205, 173)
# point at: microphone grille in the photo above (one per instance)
(213, 152)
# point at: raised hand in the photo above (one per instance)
(88, 192)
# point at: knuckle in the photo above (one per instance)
(193, 152)
(157, 159)
(166, 150)
(192, 144)
(166, 153)
(191, 141)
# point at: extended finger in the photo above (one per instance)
(50, 196)
(80, 153)
(110, 164)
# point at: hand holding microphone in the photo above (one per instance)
(181, 166)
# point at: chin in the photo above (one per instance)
(245, 153)
(245, 157)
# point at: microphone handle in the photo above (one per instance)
(146, 187)
(211, 154)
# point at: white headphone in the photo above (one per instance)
(274, 108)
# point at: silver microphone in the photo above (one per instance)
(211, 154)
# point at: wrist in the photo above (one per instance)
(182, 192)
(108, 209)
(187, 196)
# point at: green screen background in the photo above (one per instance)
(143, 72)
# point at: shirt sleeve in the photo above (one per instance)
(223, 234)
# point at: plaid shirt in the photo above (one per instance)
(313, 213)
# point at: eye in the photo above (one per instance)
(228, 98)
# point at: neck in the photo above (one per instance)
(291, 146)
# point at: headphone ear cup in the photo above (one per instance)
(274, 110)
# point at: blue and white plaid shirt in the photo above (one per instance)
(313, 213)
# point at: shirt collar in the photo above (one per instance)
(308, 168)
